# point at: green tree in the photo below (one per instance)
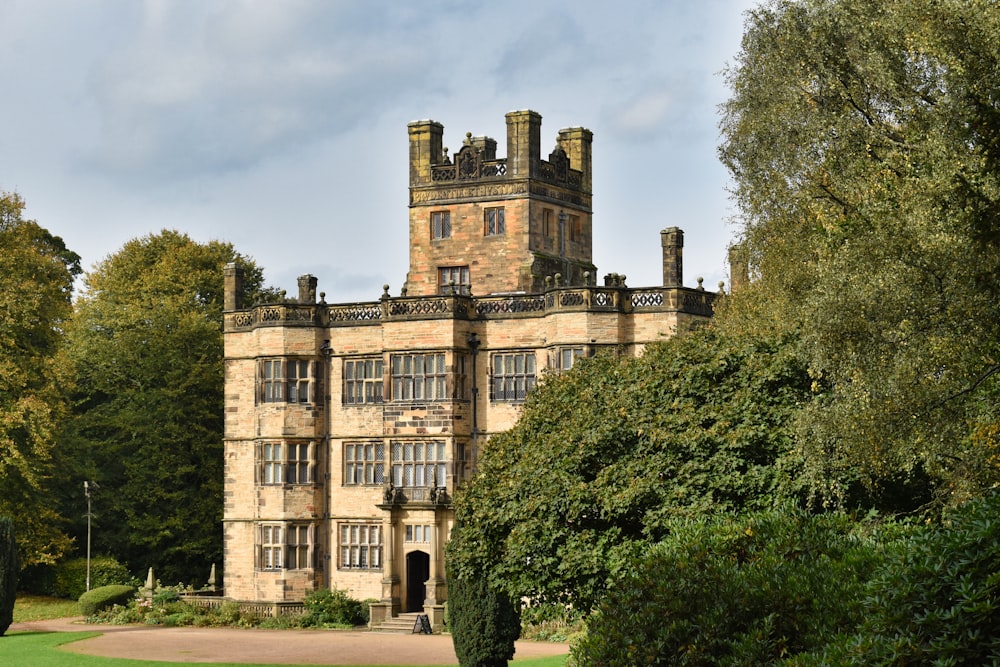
(605, 456)
(36, 283)
(146, 347)
(9, 567)
(484, 623)
(863, 139)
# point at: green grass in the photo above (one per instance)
(41, 649)
(41, 608)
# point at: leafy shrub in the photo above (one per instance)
(326, 607)
(100, 598)
(937, 602)
(9, 566)
(484, 623)
(68, 579)
(737, 590)
(550, 623)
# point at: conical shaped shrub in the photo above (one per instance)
(9, 566)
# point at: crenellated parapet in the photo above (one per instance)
(433, 174)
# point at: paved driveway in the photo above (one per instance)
(293, 647)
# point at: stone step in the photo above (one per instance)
(402, 624)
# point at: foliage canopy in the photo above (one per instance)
(36, 282)
(146, 348)
(604, 457)
(863, 139)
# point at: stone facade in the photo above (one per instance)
(349, 426)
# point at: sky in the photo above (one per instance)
(280, 126)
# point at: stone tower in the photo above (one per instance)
(486, 225)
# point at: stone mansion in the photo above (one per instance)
(349, 426)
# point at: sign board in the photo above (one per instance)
(422, 625)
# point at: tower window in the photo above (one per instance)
(575, 228)
(440, 224)
(493, 221)
(453, 280)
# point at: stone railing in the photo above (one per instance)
(475, 169)
(258, 609)
(467, 307)
(401, 495)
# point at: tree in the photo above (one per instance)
(605, 456)
(9, 567)
(36, 283)
(146, 346)
(484, 623)
(863, 140)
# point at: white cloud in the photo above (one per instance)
(263, 122)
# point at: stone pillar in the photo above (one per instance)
(577, 141)
(233, 287)
(487, 147)
(739, 266)
(434, 588)
(389, 605)
(307, 289)
(524, 144)
(672, 240)
(425, 150)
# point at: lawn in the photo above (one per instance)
(40, 608)
(40, 649)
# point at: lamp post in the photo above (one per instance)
(86, 492)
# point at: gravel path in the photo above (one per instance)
(290, 647)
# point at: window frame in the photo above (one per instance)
(286, 380)
(412, 468)
(507, 383)
(575, 228)
(271, 547)
(417, 533)
(285, 462)
(410, 384)
(446, 274)
(565, 357)
(356, 554)
(440, 224)
(364, 470)
(365, 389)
(299, 555)
(494, 221)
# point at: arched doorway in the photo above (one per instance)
(418, 571)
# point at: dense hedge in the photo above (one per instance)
(97, 599)
(748, 590)
(937, 602)
(484, 623)
(9, 566)
(68, 578)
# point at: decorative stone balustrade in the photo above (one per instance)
(562, 299)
